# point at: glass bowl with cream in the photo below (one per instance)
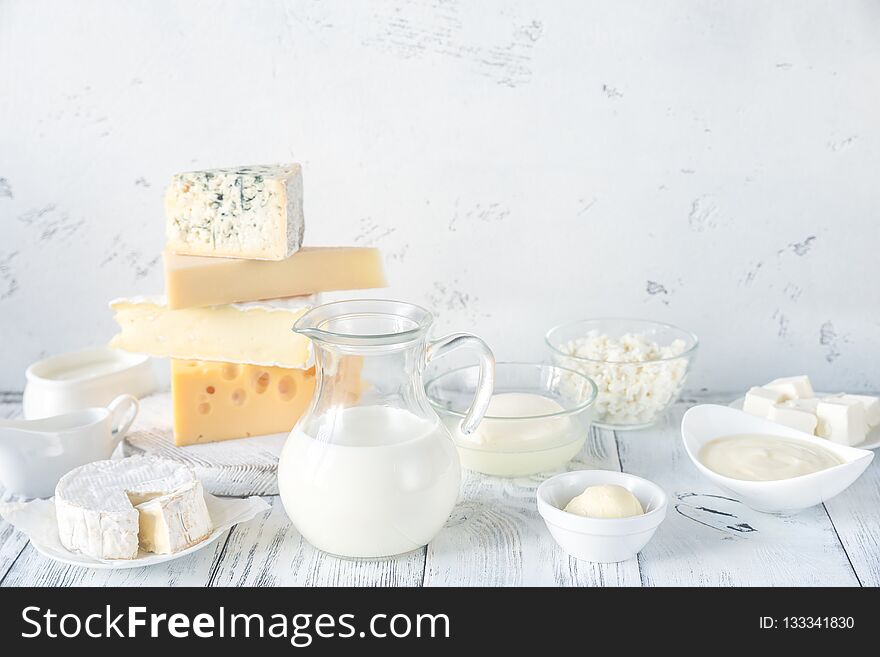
(768, 466)
(537, 421)
(639, 366)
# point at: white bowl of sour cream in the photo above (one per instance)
(768, 466)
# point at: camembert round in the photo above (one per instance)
(110, 509)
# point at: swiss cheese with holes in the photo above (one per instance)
(219, 401)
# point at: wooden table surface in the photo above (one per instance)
(496, 538)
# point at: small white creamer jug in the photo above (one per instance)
(35, 454)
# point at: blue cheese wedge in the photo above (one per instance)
(252, 212)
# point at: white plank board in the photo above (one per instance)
(709, 539)
(33, 569)
(12, 542)
(10, 405)
(237, 468)
(495, 536)
(268, 551)
(856, 517)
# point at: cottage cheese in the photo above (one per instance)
(631, 390)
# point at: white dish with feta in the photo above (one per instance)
(846, 419)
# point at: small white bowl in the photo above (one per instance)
(706, 422)
(85, 379)
(602, 540)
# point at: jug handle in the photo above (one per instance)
(123, 411)
(486, 382)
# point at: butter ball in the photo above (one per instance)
(605, 501)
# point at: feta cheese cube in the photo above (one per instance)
(871, 404)
(759, 401)
(842, 421)
(791, 416)
(808, 405)
(792, 387)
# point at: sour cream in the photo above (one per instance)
(760, 457)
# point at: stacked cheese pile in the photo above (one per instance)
(842, 418)
(236, 280)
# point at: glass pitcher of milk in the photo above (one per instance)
(370, 470)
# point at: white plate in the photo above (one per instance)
(37, 520)
(871, 441)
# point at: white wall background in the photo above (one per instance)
(521, 163)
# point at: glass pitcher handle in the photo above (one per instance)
(486, 383)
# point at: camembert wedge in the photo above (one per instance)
(110, 509)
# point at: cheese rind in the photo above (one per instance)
(170, 523)
(192, 281)
(220, 401)
(240, 212)
(98, 508)
(96, 533)
(257, 333)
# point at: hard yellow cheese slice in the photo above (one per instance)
(218, 401)
(192, 281)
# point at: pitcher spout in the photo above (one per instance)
(308, 331)
(309, 325)
(365, 323)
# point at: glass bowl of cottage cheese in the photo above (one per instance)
(639, 366)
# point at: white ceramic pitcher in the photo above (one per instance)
(34, 454)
